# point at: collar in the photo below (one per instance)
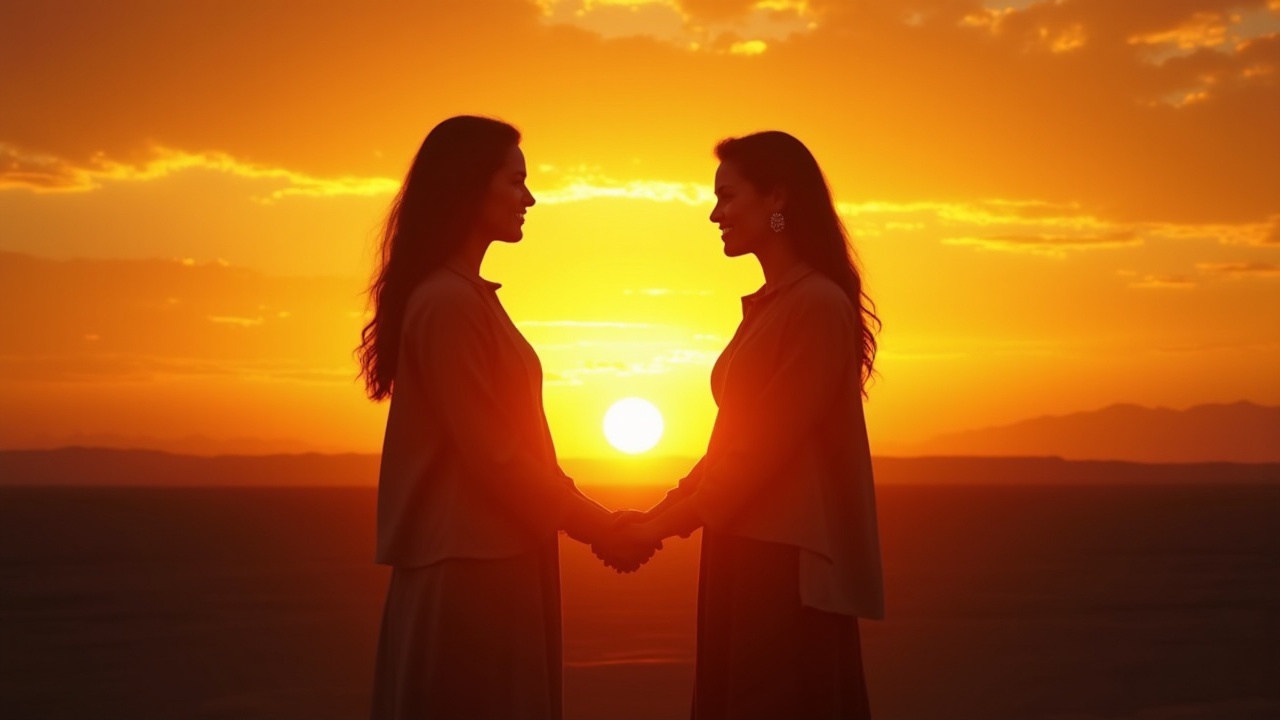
(768, 292)
(473, 278)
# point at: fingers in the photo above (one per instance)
(627, 517)
(622, 557)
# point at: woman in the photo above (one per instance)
(470, 497)
(784, 494)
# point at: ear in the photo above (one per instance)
(776, 199)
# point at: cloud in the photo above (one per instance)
(1241, 270)
(1200, 30)
(582, 324)
(1164, 282)
(129, 367)
(243, 322)
(666, 292)
(46, 173)
(748, 47)
(940, 106)
(1033, 224)
(580, 187)
(706, 26)
(1047, 245)
(668, 361)
(1258, 234)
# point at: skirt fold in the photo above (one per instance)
(761, 654)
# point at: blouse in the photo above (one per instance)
(788, 460)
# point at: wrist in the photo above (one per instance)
(655, 529)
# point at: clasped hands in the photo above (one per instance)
(629, 542)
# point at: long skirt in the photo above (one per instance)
(472, 640)
(761, 654)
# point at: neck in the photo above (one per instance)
(777, 260)
(469, 257)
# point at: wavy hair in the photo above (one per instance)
(774, 160)
(430, 218)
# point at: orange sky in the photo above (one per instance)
(1059, 204)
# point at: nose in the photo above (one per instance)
(716, 215)
(529, 200)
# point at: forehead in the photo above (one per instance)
(727, 176)
(515, 160)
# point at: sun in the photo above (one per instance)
(633, 425)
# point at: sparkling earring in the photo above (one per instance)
(777, 223)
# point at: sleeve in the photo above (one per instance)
(454, 359)
(768, 426)
(683, 489)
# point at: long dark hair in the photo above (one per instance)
(775, 160)
(428, 222)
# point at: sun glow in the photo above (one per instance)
(633, 425)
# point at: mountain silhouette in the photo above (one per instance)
(1241, 432)
(109, 467)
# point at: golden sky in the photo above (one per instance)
(1059, 205)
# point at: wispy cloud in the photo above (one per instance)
(654, 364)
(1048, 245)
(38, 172)
(714, 27)
(1164, 282)
(133, 367)
(577, 188)
(666, 292)
(1241, 270)
(1034, 225)
(244, 322)
(1205, 29)
(582, 324)
(749, 47)
(1262, 233)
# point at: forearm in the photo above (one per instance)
(586, 520)
(683, 489)
(679, 518)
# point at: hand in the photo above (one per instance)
(626, 546)
(626, 517)
(587, 521)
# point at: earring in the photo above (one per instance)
(777, 223)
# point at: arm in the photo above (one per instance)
(454, 360)
(675, 496)
(764, 430)
(682, 490)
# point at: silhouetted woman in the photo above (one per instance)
(784, 494)
(470, 496)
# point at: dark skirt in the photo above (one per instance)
(761, 654)
(471, 640)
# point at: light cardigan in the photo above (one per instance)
(788, 461)
(468, 466)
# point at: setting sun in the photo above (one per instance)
(633, 425)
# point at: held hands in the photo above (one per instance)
(628, 543)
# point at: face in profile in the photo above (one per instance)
(741, 212)
(502, 211)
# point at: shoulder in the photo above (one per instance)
(443, 295)
(817, 293)
(442, 285)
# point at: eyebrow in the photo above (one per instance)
(721, 189)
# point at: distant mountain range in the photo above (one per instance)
(1240, 432)
(183, 445)
(105, 467)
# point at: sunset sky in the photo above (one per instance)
(1059, 205)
